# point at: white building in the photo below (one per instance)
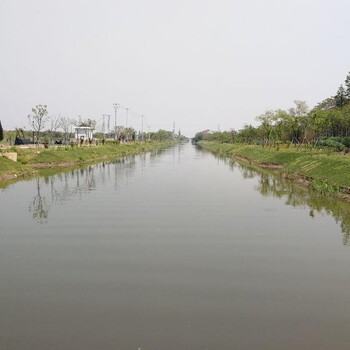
(83, 132)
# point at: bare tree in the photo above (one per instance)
(65, 124)
(38, 119)
(55, 123)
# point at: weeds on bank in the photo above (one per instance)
(329, 190)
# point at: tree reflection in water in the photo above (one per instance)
(76, 183)
(39, 206)
(298, 196)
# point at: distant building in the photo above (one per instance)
(83, 132)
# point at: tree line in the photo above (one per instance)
(46, 128)
(327, 123)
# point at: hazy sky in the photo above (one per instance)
(197, 63)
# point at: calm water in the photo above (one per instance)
(172, 250)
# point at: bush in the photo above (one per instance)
(346, 141)
(331, 142)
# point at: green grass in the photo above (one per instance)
(8, 168)
(331, 168)
(77, 155)
(29, 158)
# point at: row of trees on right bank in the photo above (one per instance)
(328, 122)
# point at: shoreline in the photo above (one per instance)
(31, 161)
(296, 165)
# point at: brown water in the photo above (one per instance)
(172, 250)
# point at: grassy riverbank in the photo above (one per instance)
(326, 171)
(30, 159)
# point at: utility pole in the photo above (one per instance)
(142, 116)
(104, 124)
(116, 106)
(126, 123)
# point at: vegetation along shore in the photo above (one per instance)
(311, 146)
(328, 172)
(29, 160)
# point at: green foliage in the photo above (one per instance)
(161, 135)
(248, 134)
(65, 156)
(347, 84)
(1, 132)
(331, 169)
(8, 168)
(332, 143)
(217, 136)
(344, 140)
(340, 97)
(340, 143)
(198, 137)
(325, 188)
(326, 104)
(329, 118)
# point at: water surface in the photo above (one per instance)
(173, 249)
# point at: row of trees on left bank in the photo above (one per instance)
(45, 128)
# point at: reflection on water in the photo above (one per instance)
(76, 183)
(39, 206)
(171, 250)
(297, 196)
(79, 182)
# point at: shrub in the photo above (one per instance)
(333, 144)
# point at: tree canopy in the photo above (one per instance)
(1, 132)
(329, 118)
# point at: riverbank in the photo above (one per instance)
(32, 159)
(327, 172)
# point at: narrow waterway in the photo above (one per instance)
(175, 249)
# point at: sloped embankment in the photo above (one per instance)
(31, 159)
(327, 172)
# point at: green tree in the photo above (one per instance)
(198, 137)
(162, 135)
(347, 84)
(1, 132)
(326, 104)
(248, 134)
(130, 134)
(38, 119)
(340, 97)
(320, 121)
(280, 119)
(265, 128)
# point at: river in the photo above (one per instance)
(174, 249)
